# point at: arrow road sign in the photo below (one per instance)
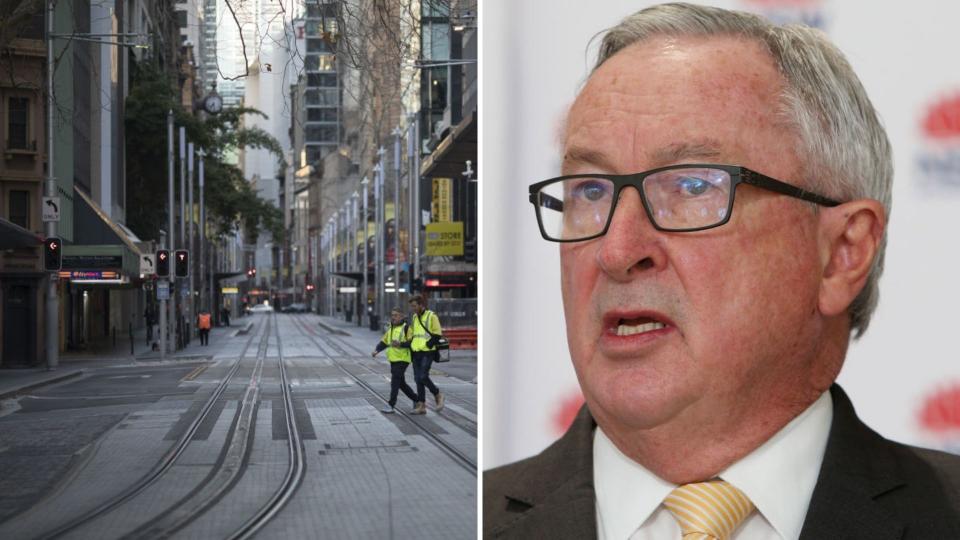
(146, 265)
(50, 209)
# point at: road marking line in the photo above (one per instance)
(193, 374)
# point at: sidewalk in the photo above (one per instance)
(74, 364)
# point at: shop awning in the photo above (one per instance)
(99, 243)
(449, 158)
(15, 236)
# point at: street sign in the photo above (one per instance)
(163, 290)
(229, 290)
(147, 264)
(348, 289)
(50, 209)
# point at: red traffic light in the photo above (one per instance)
(52, 260)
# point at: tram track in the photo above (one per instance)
(162, 466)
(230, 466)
(458, 457)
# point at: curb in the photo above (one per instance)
(7, 394)
(245, 330)
(333, 330)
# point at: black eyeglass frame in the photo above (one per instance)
(738, 175)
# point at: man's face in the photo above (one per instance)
(396, 317)
(416, 307)
(735, 307)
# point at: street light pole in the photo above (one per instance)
(366, 252)
(203, 235)
(191, 308)
(415, 210)
(396, 216)
(182, 244)
(378, 236)
(172, 315)
(354, 218)
(51, 327)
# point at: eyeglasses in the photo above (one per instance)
(678, 198)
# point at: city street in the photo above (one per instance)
(274, 430)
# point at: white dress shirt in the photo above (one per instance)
(779, 478)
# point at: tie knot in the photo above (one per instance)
(708, 510)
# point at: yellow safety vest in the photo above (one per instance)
(420, 335)
(396, 333)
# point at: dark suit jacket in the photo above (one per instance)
(868, 487)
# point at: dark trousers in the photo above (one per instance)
(421, 373)
(204, 336)
(399, 382)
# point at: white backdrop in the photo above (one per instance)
(534, 58)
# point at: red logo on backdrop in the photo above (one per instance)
(808, 12)
(939, 158)
(566, 411)
(942, 121)
(940, 416)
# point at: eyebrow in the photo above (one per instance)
(705, 148)
(700, 149)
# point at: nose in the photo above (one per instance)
(632, 245)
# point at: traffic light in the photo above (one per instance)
(52, 251)
(181, 263)
(163, 263)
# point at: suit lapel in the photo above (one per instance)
(857, 468)
(555, 498)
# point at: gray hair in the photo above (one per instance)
(843, 145)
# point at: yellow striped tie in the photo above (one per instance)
(708, 510)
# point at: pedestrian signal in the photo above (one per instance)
(163, 263)
(181, 263)
(52, 254)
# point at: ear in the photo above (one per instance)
(850, 236)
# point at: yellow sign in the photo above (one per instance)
(229, 290)
(445, 239)
(442, 204)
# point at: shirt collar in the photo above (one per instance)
(627, 493)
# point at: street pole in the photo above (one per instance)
(52, 328)
(203, 235)
(411, 206)
(182, 244)
(163, 307)
(415, 178)
(396, 217)
(354, 218)
(191, 308)
(366, 252)
(171, 320)
(378, 243)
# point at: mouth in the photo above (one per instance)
(635, 324)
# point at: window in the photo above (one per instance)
(319, 62)
(19, 113)
(317, 45)
(322, 79)
(321, 133)
(325, 97)
(321, 115)
(20, 208)
(181, 18)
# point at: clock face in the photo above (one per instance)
(213, 104)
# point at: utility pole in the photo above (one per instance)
(191, 308)
(366, 252)
(203, 236)
(358, 307)
(163, 304)
(182, 244)
(396, 216)
(170, 231)
(51, 327)
(378, 236)
(415, 209)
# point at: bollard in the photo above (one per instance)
(131, 339)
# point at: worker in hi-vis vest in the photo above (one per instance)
(396, 340)
(426, 325)
(203, 325)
